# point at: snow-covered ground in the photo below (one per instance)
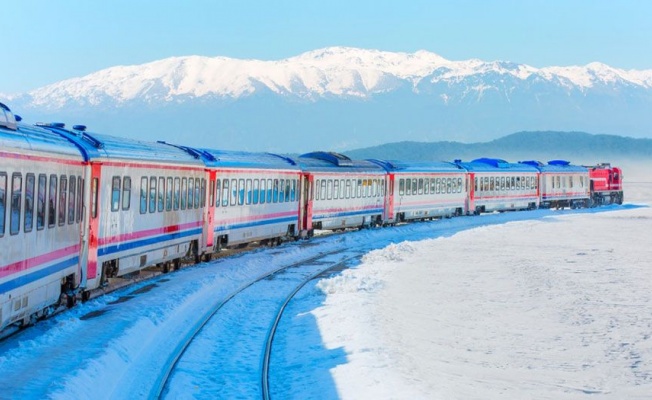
(529, 305)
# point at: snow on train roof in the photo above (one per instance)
(493, 165)
(329, 161)
(417, 166)
(96, 145)
(243, 159)
(30, 137)
(555, 166)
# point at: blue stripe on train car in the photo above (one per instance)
(221, 228)
(39, 274)
(145, 242)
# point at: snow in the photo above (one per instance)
(527, 305)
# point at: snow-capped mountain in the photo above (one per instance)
(352, 97)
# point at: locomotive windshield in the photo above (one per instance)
(7, 118)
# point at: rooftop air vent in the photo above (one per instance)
(79, 127)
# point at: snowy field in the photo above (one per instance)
(554, 308)
(526, 305)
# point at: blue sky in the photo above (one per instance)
(45, 41)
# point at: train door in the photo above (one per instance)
(306, 204)
(389, 199)
(470, 198)
(90, 230)
(209, 212)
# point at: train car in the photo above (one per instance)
(423, 190)
(562, 184)
(497, 185)
(145, 205)
(41, 186)
(606, 184)
(253, 197)
(345, 193)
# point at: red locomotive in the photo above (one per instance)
(606, 184)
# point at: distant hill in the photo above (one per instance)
(577, 147)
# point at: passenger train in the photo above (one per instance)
(79, 208)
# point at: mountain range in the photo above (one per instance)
(341, 98)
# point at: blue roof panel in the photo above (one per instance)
(495, 165)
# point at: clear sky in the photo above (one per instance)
(45, 41)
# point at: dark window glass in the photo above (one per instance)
(63, 192)
(40, 202)
(161, 194)
(152, 194)
(263, 191)
(184, 192)
(256, 190)
(191, 192)
(16, 203)
(143, 194)
(241, 190)
(52, 202)
(94, 196)
(3, 202)
(225, 192)
(126, 193)
(169, 189)
(80, 198)
(198, 192)
(202, 194)
(30, 185)
(72, 189)
(234, 192)
(177, 193)
(115, 193)
(218, 192)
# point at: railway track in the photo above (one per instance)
(286, 281)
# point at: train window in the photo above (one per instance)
(426, 186)
(218, 192)
(249, 191)
(30, 184)
(71, 199)
(115, 193)
(281, 191)
(317, 191)
(143, 194)
(241, 191)
(408, 187)
(3, 202)
(198, 192)
(177, 193)
(382, 187)
(475, 184)
(558, 179)
(126, 193)
(94, 194)
(234, 192)
(420, 188)
(347, 189)
(52, 202)
(374, 187)
(63, 191)
(40, 202)
(211, 193)
(342, 189)
(491, 184)
(336, 189)
(513, 184)
(286, 190)
(459, 185)
(564, 182)
(274, 191)
(191, 193)
(152, 194)
(269, 191)
(225, 192)
(161, 194)
(16, 200)
(203, 193)
(293, 192)
(329, 189)
(256, 191)
(401, 187)
(581, 181)
(184, 192)
(263, 190)
(448, 185)
(80, 198)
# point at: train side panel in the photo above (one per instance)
(41, 186)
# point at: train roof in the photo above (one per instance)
(243, 159)
(26, 137)
(555, 166)
(330, 162)
(417, 166)
(494, 165)
(99, 146)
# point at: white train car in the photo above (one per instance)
(423, 190)
(562, 184)
(253, 197)
(496, 185)
(145, 205)
(41, 186)
(345, 193)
